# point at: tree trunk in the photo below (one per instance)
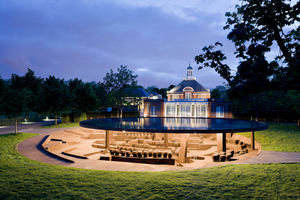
(16, 124)
(121, 115)
(298, 122)
(118, 112)
(55, 119)
(256, 115)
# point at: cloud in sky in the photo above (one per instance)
(86, 38)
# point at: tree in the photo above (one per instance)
(85, 97)
(118, 86)
(256, 25)
(219, 92)
(55, 97)
(171, 87)
(31, 83)
(153, 88)
(163, 92)
(214, 59)
(291, 102)
(102, 98)
(13, 102)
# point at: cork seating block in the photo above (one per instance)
(104, 158)
(157, 161)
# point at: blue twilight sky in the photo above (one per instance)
(86, 38)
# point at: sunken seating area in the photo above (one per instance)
(128, 154)
(65, 138)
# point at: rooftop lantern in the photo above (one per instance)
(189, 73)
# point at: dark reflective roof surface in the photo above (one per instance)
(191, 83)
(175, 125)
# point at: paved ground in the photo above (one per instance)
(32, 148)
(26, 127)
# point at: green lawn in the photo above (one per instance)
(22, 178)
(278, 137)
(62, 125)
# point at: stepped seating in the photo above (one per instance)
(83, 134)
(141, 156)
(67, 137)
(53, 145)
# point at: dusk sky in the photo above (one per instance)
(86, 38)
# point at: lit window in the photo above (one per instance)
(201, 110)
(188, 95)
(219, 111)
(153, 111)
(171, 110)
(185, 110)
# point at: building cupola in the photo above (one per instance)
(189, 73)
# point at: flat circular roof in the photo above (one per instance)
(174, 125)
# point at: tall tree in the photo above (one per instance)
(85, 98)
(219, 92)
(55, 97)
(101, 95)
(118, 86)
(13, 102)
(291, 102)
(256, 26)
(31, 83)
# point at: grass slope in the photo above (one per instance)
(61, 125)
(22, 178)
(278, 137)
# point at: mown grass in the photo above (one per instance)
(278, 137)
(23, 178)
(61, 125)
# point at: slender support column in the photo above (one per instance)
(252, 141)
(166, 139)
(108, 136)
(221, 142)
(183, 148)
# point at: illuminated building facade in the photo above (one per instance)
(188, 99)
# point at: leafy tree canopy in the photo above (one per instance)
(85, 96)
(256, 26)
(119, 85)
(29, 82)
(55, 97)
